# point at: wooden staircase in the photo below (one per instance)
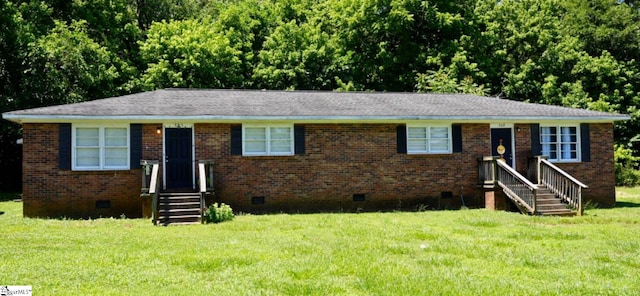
(547, 204)
(553, 192)
(179, 208)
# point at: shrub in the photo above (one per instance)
(217, 213)
(626, 167)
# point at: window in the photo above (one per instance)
(100, 148)
(560, 143)
(431, 139)
(267, 140)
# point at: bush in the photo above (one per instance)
(626, 167)
(219, 213)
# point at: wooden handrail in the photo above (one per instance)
(494, 172)
(202, 177)
(205, 169)
(563, 185)
(151, 184)
(517, 187)
(563, 173)
(517, 175)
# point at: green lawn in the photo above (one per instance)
(467, 252)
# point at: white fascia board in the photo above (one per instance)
(302, 119)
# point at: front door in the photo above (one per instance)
(178, 158)
(502, 144)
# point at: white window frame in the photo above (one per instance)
(559, 144)
(428, 139)
(101, 147)
(268, 140)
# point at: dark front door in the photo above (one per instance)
(178, 157)
(501, 144)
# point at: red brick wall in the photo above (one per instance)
(49, 192)
(340, 161)
(598, 174)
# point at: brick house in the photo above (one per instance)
(299, 151)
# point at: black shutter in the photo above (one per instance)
(536, 147)
(456, 134)
(64, 146)
(402, 139)
(135, 140)
(298, 134)
(236, 139)
(585, 142)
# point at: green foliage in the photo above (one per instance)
(217, 213)
(576, 53)
(189, 53)
(67, 66)
(627, 167)
(296, 56)
(458, 77)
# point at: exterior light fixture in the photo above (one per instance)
(158, 130)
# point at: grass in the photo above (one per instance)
(467, 252)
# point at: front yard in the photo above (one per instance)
(467, 252)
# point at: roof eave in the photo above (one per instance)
(301, 118)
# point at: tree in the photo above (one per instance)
(190, 53)
(297, 56)
(67, 66)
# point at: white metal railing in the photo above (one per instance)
(563, 185)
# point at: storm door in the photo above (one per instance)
(178, 158)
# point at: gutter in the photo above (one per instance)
(300, 118)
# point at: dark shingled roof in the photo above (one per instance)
(192, 104)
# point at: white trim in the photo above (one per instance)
(306, 119)
(101, 147)
(502, 125)
(178, 125)
(267, 128)
(428, 127)
(559, 126)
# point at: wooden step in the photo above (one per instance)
(565, 212)
(173, 219)
(552, 207)
(181, 205)
(179, 208)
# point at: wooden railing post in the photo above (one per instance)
(487, 171)
(206, 186)
(151, 184)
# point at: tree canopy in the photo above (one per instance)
(575, 53)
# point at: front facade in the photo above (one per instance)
(299, 151)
